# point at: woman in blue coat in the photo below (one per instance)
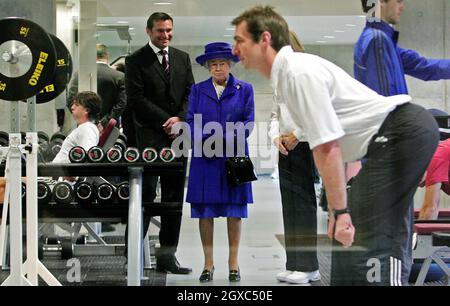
(215, 107)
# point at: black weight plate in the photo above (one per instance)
(62, 75)
(43, 59)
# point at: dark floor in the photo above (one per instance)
(95, 271)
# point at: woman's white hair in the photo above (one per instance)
(230, 62)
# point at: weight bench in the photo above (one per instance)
(443, 213)
(433, 245)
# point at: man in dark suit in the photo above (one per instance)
(110, 87)
(158, 82)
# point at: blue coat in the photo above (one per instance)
(381, 64)
(207, 178)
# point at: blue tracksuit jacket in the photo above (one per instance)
(381, 64)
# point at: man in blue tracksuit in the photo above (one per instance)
(381, 64)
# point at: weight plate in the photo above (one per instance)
(62, 75)
(18, 38)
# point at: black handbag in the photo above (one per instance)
(240, 170)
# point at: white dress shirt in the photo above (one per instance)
(156, 50)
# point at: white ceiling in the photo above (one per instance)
(197, 22)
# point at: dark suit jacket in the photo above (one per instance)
(154, 97)
(110, 87)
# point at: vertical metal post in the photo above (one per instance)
(135, 227)
(14, 177)
(31, 266)
(15, 117)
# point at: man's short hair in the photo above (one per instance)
(102, 51)
(91, 101)
(158, 16)
(264, 18)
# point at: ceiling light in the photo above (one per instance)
(230, 29)
(122, 22)
(350, 25)
(227, 35)
(339, 31)
(131, 29)
(329, 36)
(163, 3)
(321, 41)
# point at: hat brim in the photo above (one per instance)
(216, 55)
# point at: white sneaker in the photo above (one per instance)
(275, 174)
(282, 277)
(303, 277)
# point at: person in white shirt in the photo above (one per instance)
(297, 174)
(85, 109)
(343, 121)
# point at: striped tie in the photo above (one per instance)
(165, 62)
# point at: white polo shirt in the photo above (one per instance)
(85, 135)
(328, 104)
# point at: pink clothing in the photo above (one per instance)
(439, 168)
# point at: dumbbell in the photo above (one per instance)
(167, 155)
(4, 139)
(43, 141)
(95, 155)
(114, 154)
(77, 155)
(84, 193)
(44, 193)
(56, 142)
(149, 155)
(131, 155)
(121, 141)
(123, 192)
(63, 193)
(105, 193)
(55, 247)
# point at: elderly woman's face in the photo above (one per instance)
(219, 69)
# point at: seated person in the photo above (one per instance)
(85, 109)
(436, 178)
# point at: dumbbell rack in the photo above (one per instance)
(135, 208)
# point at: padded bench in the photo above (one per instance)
(443, 213)
(433, 244)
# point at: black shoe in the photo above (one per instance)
(234, 276)
(207, 275)
(171, 266)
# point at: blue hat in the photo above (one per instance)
(217, 50)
